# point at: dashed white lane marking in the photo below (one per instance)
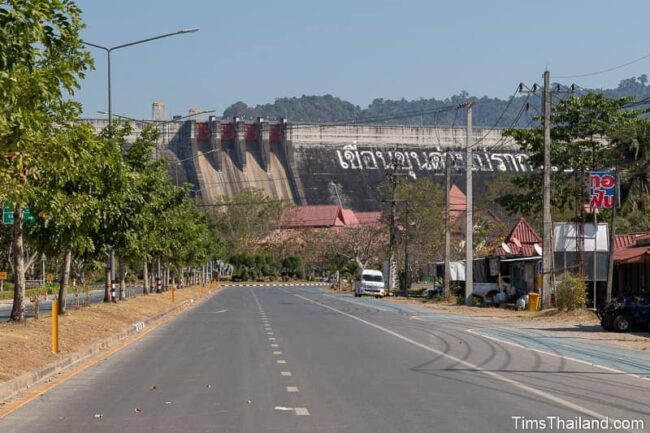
(275, 345)
(271, 338)
(292, 389)
(281, 361)
(302, 411)
(277, 352)
(269, 333)
(285, 373)
(514, 383)
(297, 410)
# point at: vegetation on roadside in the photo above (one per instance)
(88, 194)
(571, 292)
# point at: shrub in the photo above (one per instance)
(245, 274)
(570, 292)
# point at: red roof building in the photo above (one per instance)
(522, 240)
(457, 202)
(368, 217)
(322, 216)
(631, 248)
(312, 216)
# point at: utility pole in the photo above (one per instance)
(547, 245)
(392, 274)
(407, 275)
(447, 223)
(469, 221)
(612, 242)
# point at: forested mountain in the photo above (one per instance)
(488, 112)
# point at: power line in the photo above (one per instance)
(603, 71)
(358, 121)
(512, 98)
(500, 144)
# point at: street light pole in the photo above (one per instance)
(108, 51)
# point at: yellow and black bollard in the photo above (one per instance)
(55, 326)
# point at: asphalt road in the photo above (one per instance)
(300, 360)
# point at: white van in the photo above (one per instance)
(370, 282)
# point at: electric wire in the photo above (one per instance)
(603, 71)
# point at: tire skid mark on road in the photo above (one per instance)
(482, 333)
(543, 394)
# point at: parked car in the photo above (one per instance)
(624, 313)
(482, 290)
(369, 282)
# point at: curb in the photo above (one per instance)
(12, 388)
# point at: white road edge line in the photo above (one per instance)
(476, 332)
(497, 376)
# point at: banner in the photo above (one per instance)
(603, 190)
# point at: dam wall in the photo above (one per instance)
(321, 163)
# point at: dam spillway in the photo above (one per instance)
(320, 163)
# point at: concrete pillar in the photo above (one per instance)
(215, 143)
(240, 142)
(264, 141)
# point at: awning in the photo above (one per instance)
(521, 259)
(631, 255)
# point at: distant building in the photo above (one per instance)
(158, 111)
(324, 216)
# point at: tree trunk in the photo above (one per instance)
(145, 277)
(122, 271)
(107, 285)
(65, 281)
(18, 259)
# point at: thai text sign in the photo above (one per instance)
(603, 190)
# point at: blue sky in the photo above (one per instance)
(357, 50)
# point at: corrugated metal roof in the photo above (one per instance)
(626, 248)
(368, 217)
(312, 216)
(523, 232)
(520, 241)
(349, 218)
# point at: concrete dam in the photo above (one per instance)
(318, 163)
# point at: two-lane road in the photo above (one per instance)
(299, 360)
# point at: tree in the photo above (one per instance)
(41, 61)
(580, 127)
(247, 218)
(421, 207)
(69, 196)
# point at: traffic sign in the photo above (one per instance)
(8, 214)
(49, 277)
(3, 275)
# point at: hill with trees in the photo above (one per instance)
(488, 112)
